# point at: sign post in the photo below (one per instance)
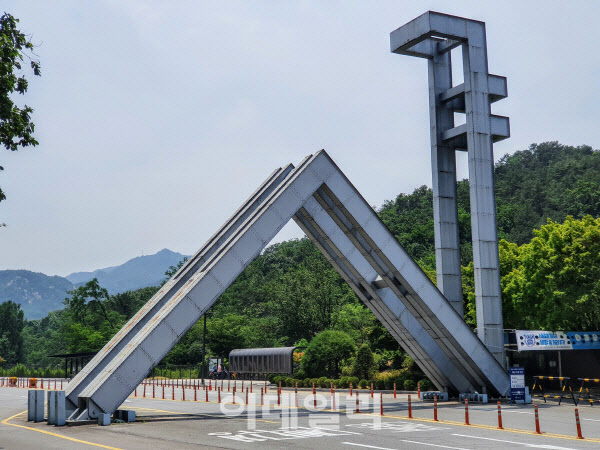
(517, 384)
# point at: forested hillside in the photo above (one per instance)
(290, 293)
(35, 292)
(546, 181)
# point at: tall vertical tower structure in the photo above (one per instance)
(432, 36)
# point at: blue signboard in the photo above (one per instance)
(517, 383)
(528, 340)
(584, 340)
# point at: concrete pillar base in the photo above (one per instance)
(104, 419)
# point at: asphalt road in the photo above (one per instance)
(178, 424)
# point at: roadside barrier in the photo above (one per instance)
(261, 397)
(246, 396)
(350, 389)
(441, 396)
(578, 424)
(565, 382)
(357, 406)
(219, 395)
(591, 388)
(371, 390)
(419, 389)
(500, 417)
(380, 404)
(467, 412)
(537, 420)
(394, 390)
(409, 408)
(435, 418)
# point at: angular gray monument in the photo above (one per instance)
(319, 197)
(323, 202)
(433, 36)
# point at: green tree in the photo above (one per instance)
(325, 353)
(364, 363)
(556, 285)
(88, 324)
(233, 331)
(16, 127)
(356, 321)
(12, 322)
(87, 300)
(129, 302)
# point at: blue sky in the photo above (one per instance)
(156, 119)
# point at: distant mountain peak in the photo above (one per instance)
(138, 272)
(39, 294)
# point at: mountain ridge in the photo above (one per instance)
(38, 293)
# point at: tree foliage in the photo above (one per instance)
(12, 322)
(16, 127)
(364, 364)
(545, 181)
(556, 284)
(325, 353)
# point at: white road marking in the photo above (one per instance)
(367, 446)
(525, 444)
(405, 440)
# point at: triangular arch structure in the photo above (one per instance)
(318, 196)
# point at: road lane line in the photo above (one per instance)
(5, 422)
(526, 444)
(367, 446)
(432, 445)
(405, 440)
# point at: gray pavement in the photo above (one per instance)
(175, 424)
